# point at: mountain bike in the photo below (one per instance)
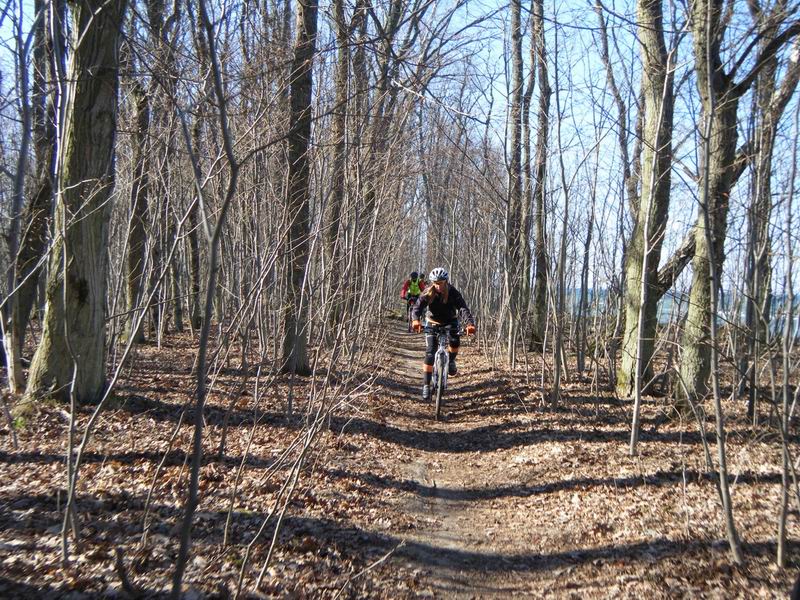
(410, 302)
(441, 365)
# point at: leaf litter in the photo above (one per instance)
(504, 497)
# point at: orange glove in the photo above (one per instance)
(416, 326)
(470, 330)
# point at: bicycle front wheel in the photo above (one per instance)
(439, 388)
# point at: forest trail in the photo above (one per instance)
(457, 544)
(464, 532)
(508, 496)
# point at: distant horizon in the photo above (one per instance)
(665, 304)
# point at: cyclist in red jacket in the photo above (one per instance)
(412, 287)
(443, 304)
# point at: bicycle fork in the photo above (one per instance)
(443, 362)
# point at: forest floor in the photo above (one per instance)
(506, 496)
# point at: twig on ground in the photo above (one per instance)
(368, 568)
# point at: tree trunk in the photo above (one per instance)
(719, 94)
(583, 302)
(74, 323)
(295, 353)
(539, 300)
(644, 248)
(513, 225)
(339, 127)
(696, 361)
(771, 103)
(162, 96)
(26, 116)
(137, 237)
(48, 55)
(527, 194)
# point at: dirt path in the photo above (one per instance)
(454, 542)
(457, 539)
(507, 497)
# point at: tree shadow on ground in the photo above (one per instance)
(501, 436)
(173, 458)
(466, 406)
(371, 546)
(373, 484)
(362, 545)
(215, 415)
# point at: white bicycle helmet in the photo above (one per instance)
(438, 274)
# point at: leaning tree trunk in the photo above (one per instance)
(74, 324)
(644, 248)
(295, 354)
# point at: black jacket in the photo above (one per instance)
(439, 312)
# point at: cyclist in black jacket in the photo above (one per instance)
(442, 304)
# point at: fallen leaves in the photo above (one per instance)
(526, 500)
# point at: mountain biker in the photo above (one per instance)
(444, 304)
(412, 288)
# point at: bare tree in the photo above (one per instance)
(643, 252)
(74, 323)
(719, 94)
(48, 53)
(771, 101)
(539, 300)
(644, 248)
(297, 190)
(516, 239)
(137, 237)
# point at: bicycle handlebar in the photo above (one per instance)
(435, 329)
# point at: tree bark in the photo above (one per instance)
(74, 323)
(771, 102)
(527, 173)
(696, 361)
(339, 128)
(295, 354)
(137, 237)
(539, 300)
(195, 301)
(644, 248)
(513, 225)
(48, 56)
